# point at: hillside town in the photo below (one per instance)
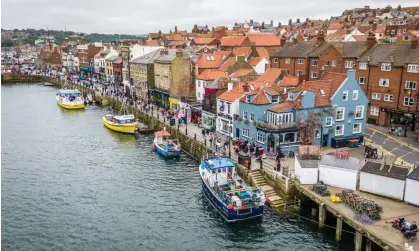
(263, 75)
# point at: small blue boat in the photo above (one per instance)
(166, 147)
(41, 83)
(228, 193)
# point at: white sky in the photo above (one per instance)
(139, 16)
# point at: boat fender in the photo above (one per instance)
(266, 199)
(230, 207)
(152, 146)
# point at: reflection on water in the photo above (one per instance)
(121, 137)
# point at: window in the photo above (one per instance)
(404, 30)
(385, 67)
(299, 73)
(355, 95)
(244, 114)
(406, 38)
(339, 130)
(359, 112)
(363, 65)
(290, 96)
(245, 132)
(322, 92)
(384, 82)
(300, 61)
(326, 63)
(248, 98)
(374, 111)
(362, 80)
(289, 137)
(413, 68)
(199, 95)
(328, 121)
(275, 99)
(376, 96)
(315, 62)
(313, 74)
(408, 101)
(345, 95)
(357, 128)
(287, 60)
(261, 138)
(228, 108)
(252, 116)
(340, 113)
(349, 64)
(275, 60)
(224, 126)
(388, 98)
(317, 134)
(334, 63)
(411, 85)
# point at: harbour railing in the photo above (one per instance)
(269, 169)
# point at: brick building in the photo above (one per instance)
(391, 75)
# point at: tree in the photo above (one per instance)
(7, 43)
(290, 22)
(309, 124)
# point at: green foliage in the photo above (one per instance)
(7, 43)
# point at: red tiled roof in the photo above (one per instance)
(335, 76)
(261, 99)
(174, 37)
(232, 40)
(212, 75)
(229, 62)
(203, 40)
(254, 61)
(241, 72)
(290, 81)
(282, 107)
(335, 26)
(264, 39)
(152, 42)
(224, 54)
(263, 52)
(242, 51)
(270, 75)
(360, 37)
(231, 95)
(209, 61)
(328, 86)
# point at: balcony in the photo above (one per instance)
(266, 126)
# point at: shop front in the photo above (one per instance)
(174, 104)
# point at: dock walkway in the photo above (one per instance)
(380, 232)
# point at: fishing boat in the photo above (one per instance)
(125, 123)
(165, 146)
(227, 192)
(70, 99)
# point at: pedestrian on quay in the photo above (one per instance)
(203, 133)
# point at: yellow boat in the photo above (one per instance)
(123, 123)
(70, 99)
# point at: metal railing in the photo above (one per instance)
(269, 169)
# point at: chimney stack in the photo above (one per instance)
(272, 23)
(283, 40)
(371, 41)
(175, 29)
(246, 87)
(263, 25)
(159, 32)
(414, 43)
(320, 37)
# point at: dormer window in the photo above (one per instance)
(275, 99)
(385, 67)
(248, 99)
(290, 96)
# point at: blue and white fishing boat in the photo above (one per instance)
(165, 146)
(227, 192)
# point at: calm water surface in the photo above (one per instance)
(68, 183)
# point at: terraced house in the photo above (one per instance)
(271, 119)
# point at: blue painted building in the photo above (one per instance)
(268, 117)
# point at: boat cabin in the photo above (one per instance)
(124, 119)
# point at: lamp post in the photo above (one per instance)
(408, 108)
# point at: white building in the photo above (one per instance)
(385, 179)
(206, 77)
(137, 51)
(259, 64)
(227, 106)
(339, 172)
(412, 188)
(306, 169)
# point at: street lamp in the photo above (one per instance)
(408, 108)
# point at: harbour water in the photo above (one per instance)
(68, 183)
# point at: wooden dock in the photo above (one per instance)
(381, 233)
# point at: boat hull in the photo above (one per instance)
(166, 154)
(71, 106)
(126, 128)
(227, 214)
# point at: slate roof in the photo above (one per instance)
(298, 50)
(351, 49)
(397, 54)
(414, 175)
(350, 163)
(147, 58)
(396, 172)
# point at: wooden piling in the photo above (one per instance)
(322, 215)
(358, 241)
(368, 247)
(339, 224)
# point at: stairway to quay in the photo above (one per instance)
(284, 194)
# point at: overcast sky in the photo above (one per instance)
(139, 16)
